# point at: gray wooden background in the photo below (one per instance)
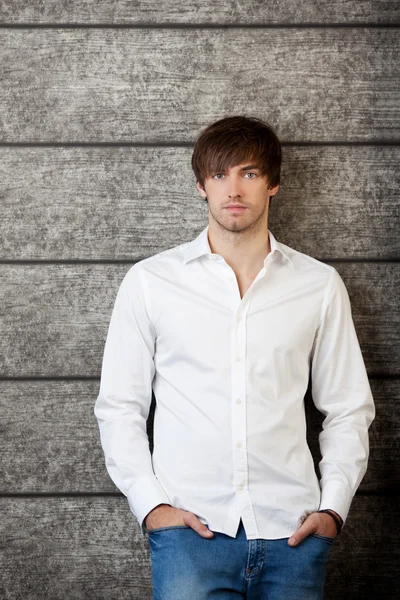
(100, 106)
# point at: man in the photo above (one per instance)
(225, 330)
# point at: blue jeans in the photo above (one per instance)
(186, 566)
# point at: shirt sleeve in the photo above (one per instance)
(341, 391)
(124, 399)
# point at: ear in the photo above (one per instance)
(273, 190)
(201, 190)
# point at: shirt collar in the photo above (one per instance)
(200, 246)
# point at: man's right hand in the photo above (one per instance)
(165, 515)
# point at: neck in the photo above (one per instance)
(245, 251)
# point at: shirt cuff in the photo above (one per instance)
(145, 495)
(337, 496)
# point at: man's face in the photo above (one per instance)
(243, 185)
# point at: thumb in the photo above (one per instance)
(299, 535)
(194, 522)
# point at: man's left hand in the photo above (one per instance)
(319, 523)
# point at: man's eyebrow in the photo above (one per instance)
(248, 167)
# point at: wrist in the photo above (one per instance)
(155, 511)
(337, 518)
(336, 514)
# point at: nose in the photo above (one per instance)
(234, 187)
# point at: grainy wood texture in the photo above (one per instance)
(102, 203)
(86, 548)
(72, 549)
(178, 11)
(151, 86)
(67, 85)
(50, 443)
(55, 317)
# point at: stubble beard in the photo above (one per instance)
(233, 225)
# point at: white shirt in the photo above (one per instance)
(229, 375)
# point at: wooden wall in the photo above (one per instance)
(100, 103)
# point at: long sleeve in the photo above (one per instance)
(124, 399)
(341, 391)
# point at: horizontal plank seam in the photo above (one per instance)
(200, 25)
(382, 492)
(177, 144)
(372, 375)
(124, 261)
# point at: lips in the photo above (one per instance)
(233, 206)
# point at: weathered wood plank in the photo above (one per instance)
(55, 317)
(126, 203)
(75, 548)
(177, 11)
(50, 440)
(72, 548)
(132, 85)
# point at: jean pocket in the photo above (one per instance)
(323, 537)
(157, 529)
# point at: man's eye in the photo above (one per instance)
(217, 175)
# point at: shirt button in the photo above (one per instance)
(238, 359)
(239, 488)
(238, 401)
(239, 318)
(239, 444)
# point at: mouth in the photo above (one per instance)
(236, 207)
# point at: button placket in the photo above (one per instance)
(239, 437)
(239, 412)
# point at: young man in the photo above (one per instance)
(226, 329)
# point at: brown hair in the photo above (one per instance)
(232, 140)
